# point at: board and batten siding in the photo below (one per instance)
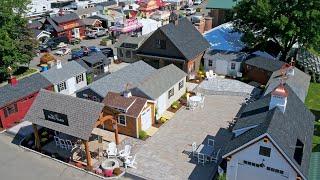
(72, 86)
(163, 103)
(238, 170)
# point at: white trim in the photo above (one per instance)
(274, 143)
(125, 120)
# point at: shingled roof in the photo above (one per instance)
(81, 114)
(299, 83)
(284, 128)
(24, 87)
(159, 82)
(67, 71)
(270, 65)
(134, 105)
(116, 82)
(186, 38)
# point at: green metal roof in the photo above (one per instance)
(314, 169)
(221, 4)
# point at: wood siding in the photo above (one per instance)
(256, 74)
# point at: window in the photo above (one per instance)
(13, 108)
(122, 120)
(275, 170)
(128, 54)
(79, 78)
(62, 86)
(181, 83)
(160, 44)
(210, 63)
(298, 152)
(170, 93)
(233, 65)
(265, 151)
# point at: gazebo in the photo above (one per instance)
(69, 115)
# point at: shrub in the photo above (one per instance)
(163, 120)
(175, 105)
(222, 177)
(46, 58)
(117, 171)
(89, 78)
(142, 134)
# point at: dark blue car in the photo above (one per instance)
(76, 54)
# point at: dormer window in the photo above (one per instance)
(298, 152)
(265, 151)
(161, 44)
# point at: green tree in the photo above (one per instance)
(286, 22)
(17, 44)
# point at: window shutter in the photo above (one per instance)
(15, 107)
(6, 114)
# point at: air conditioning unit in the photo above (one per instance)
(239, 74)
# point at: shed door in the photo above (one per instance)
(221, 67)
(146, 119)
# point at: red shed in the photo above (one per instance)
(17, 96)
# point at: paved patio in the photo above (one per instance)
(165, 155)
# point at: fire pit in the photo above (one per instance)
(109, 164)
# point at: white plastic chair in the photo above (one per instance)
(112, 150)
(130, 163)
(201, 158)
(194, 149)
(69, 144)
(208, 76)
(63, 144)
(202, 102)
(57, 140)
(125, 153)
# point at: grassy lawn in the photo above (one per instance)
(313, 103)
(24, 71)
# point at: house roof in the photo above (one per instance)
(186, 38)
(135, 41)
(226, 55)
(116, 82)
(89, 21)
(83, 11)
(34, 25)
(270, 65)
(81, 114)
(134, 105)
(107, 3)
(65, 18)
(96, 57)
(284, 128)
(221, 4)
(67, 71)
(23, 88)
(160, 81)
(299, 83)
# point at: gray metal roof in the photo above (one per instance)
(131, 40)
(284, 128)
(83, 11)
(186, 38)
(299, 83)
(24, 87)
(270, 65)
(117, 81)
(67, 71)
(160, 81)
(82, 114)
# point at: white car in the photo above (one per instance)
(197, 2)
(97, 32)
(190, 11)
(62, 45)
(63, 51)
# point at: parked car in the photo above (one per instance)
(190, 11)
(74, 41)
(77, 53)
(93, 49)
(184, 7)
(53, 44)
(63, 51)
(197, 2)
(97, 32)
(107, 52)
(196, 19)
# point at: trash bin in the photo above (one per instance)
(44, 67)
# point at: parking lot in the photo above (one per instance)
(86, 42)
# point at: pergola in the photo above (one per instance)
(69, 115)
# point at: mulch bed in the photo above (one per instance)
(197, 80)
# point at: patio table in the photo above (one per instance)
(205, 150)
(195, 98)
